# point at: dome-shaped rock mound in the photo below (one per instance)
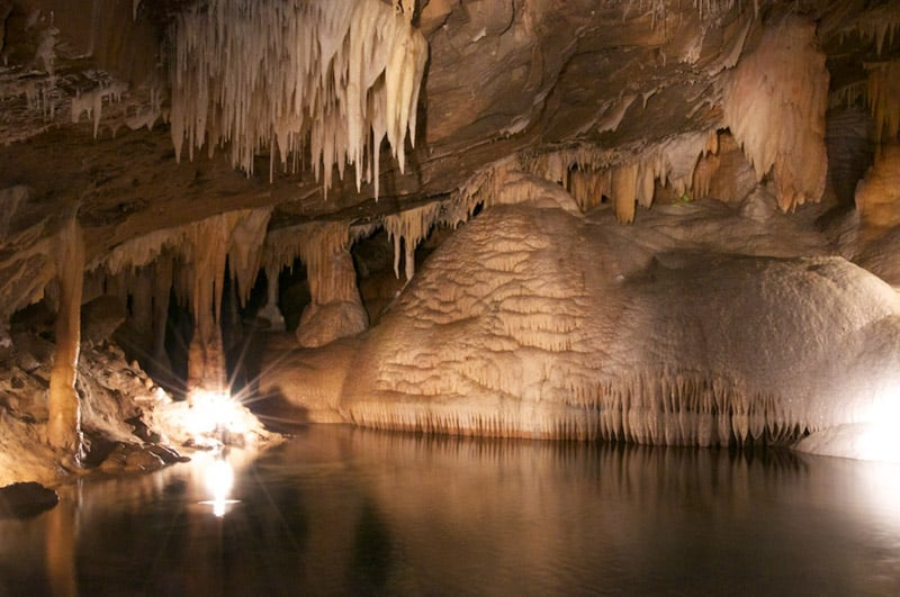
(525, 323)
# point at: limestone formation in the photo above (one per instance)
(662, 222)
(518, 329)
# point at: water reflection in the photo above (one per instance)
(346, 511)
(218, 475)
(61, 533)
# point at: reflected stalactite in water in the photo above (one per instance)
(61, 546)
(340, 510)
(372, 550)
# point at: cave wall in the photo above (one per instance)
(633, 107)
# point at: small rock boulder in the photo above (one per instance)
(131, 458)
(24, 500)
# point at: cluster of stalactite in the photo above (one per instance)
(331, 78)
(773, 103)
(190, 259)
(878, 194)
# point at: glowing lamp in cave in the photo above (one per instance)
(215, 415)
(880, 439)
(874, 438)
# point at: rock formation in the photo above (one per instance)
(665, 221)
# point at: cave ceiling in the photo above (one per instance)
(510, 77)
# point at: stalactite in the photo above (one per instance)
(245, 249)
(270, 311)
(339, 78)
(626, 176)
(162, 289)
(91, 102)
(410, 228)
(877, 24)
(588, 187)
(208, 241)
(64, 423)
(848, 96)
(883, 97)
(335, 310)
(878, 193)
(142, 251)
(624, 191)
(774, 103)
(201, 249)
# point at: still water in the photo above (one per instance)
(343, 511)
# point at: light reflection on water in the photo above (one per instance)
(346, 511)
(218, 475)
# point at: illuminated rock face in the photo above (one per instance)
(311, 380)
(296, 75)
(335, 310)
(878, 194)
(535, 323)
(774, 103)
(545, 324)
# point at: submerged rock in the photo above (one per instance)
(24, 500)
(132, 457)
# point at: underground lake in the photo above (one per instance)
(342, 510)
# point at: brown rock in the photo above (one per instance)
(100, 318)
(24, 500)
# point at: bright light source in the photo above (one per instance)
(880, 439)
(208, 420)
(875, 437)
(215, 416)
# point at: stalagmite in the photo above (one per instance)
(774, 102)
(338, 77)
(335, 310)
(64, 423)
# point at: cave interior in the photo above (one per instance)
(658, 221)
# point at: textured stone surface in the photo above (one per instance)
(530, 323)
(504, 78)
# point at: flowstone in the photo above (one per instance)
(536, 323)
